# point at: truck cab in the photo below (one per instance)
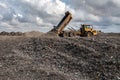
(87, 30)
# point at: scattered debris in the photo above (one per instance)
(55, 58)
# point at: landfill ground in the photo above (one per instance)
(48, 57)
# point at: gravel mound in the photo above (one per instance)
(33, 34)
(55, 58)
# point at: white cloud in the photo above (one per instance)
(1, 17)
(92, 17)
(49, 6)
(39, 20)
(26, 15)
(20, 15)
(97, 2)
(3, 5)
(79, 15)
(56, 7)
(82, 15)
(116, 2)
(17, 15)
(6, 25)
(41, 23)
(14, 22)
(115, 20)
(112, 28)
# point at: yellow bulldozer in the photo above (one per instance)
(85, 29)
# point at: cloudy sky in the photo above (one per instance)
(42, 15)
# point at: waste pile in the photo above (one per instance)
(56, 58)
(4, 33)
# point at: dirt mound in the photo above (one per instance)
(55, 58)
(33, 34)
(50, 34)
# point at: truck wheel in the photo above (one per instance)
(61, 35)
(89, 34)
(71, 34)
(65, 35)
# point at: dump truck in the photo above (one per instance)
(60, 27)
(85, 29)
